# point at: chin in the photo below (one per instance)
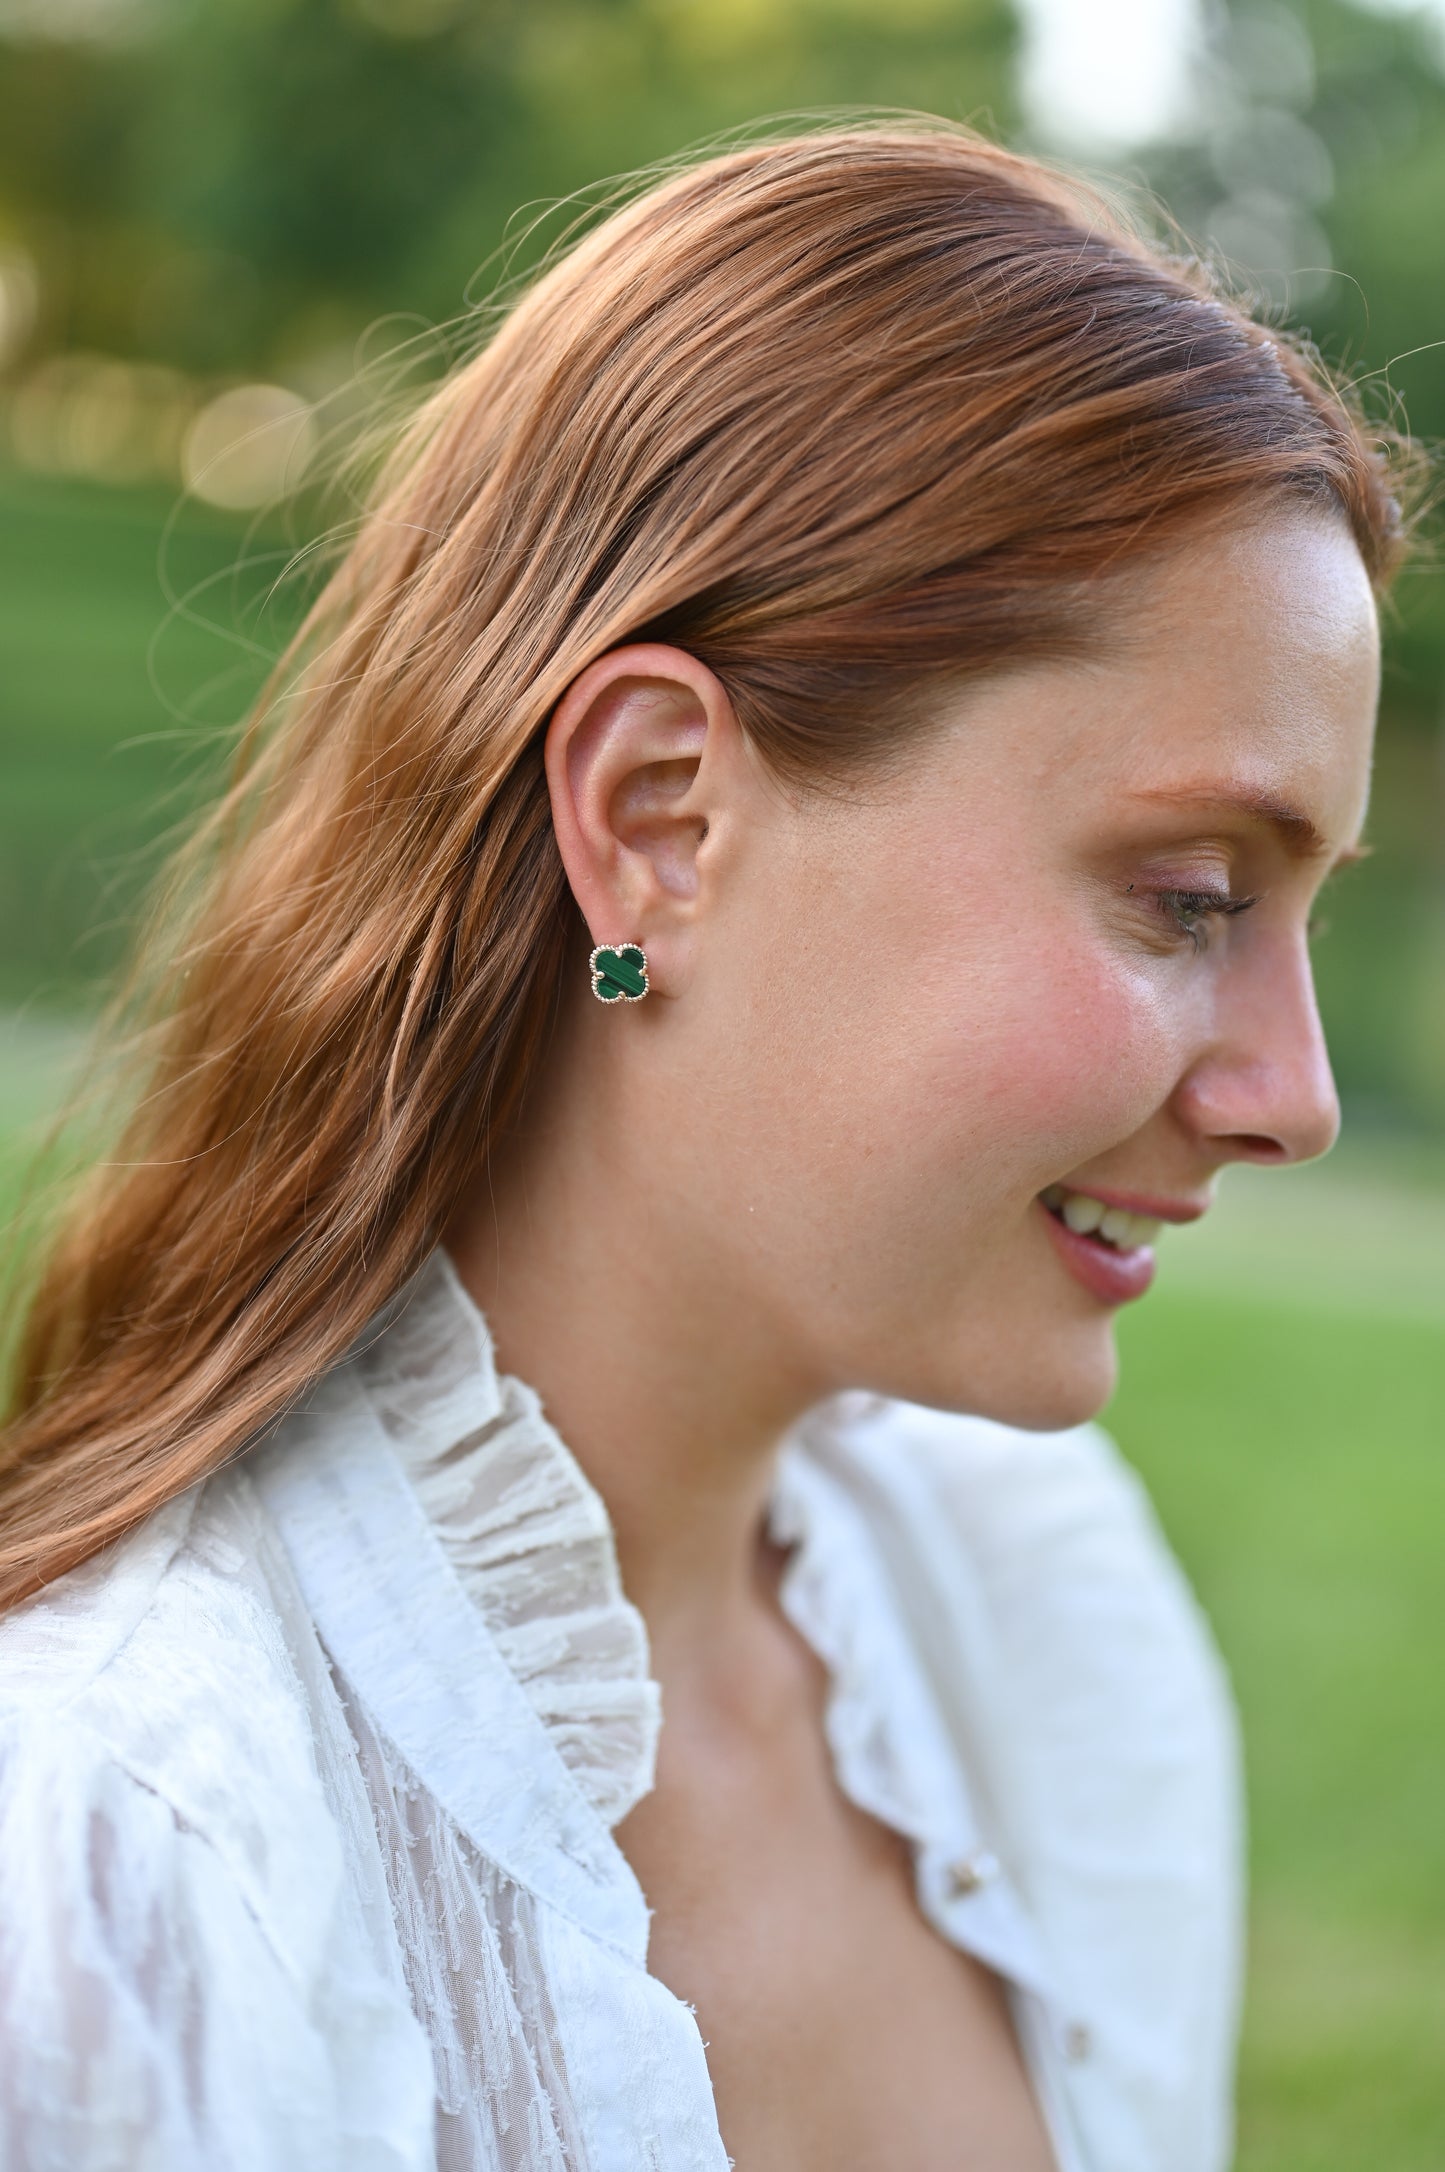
(1062, 1381)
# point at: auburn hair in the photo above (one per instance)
(834, 411)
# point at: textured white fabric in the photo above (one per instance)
(306, 1790)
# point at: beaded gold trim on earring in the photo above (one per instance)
(619, 973)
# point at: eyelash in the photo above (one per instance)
(1188, 910)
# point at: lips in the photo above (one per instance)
(1115, 1272)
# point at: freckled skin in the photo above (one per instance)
(883, 1020)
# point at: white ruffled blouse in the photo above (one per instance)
(307, 1788)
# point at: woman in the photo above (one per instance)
(781, 856)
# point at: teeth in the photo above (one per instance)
(1090, 1217)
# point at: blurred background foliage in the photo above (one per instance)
(232, 232)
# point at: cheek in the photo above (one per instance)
(899, 1060)
(1044, 1061)
(1090, 1049)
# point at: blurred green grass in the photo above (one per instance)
(131, 641)
(1291, 1428)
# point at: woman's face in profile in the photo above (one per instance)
(929, 1012)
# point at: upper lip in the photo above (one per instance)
(1157, 1210)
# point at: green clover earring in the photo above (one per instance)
(619, 974)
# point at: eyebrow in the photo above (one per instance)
(1294, 829)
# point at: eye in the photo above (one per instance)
(1190, 911)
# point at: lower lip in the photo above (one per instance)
(1115, 1278)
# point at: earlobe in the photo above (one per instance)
(632, 756)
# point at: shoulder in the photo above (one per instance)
(159, 1678)
(172, 1650)
(177, 1938)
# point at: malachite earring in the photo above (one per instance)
(619, 973)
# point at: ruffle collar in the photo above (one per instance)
(525, 1532)
(530, 1541)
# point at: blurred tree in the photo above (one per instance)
(1318, 170)
(234, 182)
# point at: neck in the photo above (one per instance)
(670, 1386)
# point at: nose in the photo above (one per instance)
(1264, 1090)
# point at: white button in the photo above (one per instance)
(970, 1873)
(1077, 2042)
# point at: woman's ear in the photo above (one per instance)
(639, 752)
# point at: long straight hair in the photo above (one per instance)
(834, 412)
